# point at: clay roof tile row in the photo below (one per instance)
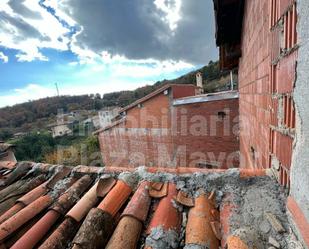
(58, 207)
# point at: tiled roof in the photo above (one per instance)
(52, 206)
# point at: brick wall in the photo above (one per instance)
(266, 82)
(206, 133)
(254, 86)
(184, 91)
(143, 139)
(155, 133)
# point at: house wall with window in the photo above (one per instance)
(167, 130)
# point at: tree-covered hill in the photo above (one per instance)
(36, 115)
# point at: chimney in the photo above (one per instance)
(199, 82)
(232, 81)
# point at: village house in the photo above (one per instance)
(62, 128)
(175, 126)
(107, 115)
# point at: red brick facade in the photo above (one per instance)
(210, 134)
(269, 61)
(158, 132)
(145, 132)
(266, 79)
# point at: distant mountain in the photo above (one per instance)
(36, 115)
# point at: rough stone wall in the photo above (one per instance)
(266, 79)
(300, 160)
(206, 134)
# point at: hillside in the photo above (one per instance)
(36, 115)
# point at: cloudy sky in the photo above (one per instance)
(99, 46)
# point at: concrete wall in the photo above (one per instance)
(300, 161)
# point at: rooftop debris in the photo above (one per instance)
(241, 209)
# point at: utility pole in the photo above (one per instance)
(57, 89)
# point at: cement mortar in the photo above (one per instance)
(131, 179)
(300, 160)
(253, 197)
(192, 246)
(58, 188)
(159, 239)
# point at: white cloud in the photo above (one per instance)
(145, 29)
(171, 9)
(30, 34)
(3, 57)
(120, 66)
(142, 70)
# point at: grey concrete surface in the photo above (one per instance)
(300, 160)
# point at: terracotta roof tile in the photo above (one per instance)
(71, 196)
(13, 210)
(27, 213)
(156, 185)
(88, 201)
(95, 230)
(226, 210)
(105, 185)
(16, 221)
(10, 189)
(138, 206)
(126, 234)
(37, 232)
(199, 230)
(132, 220)
(25, 187)
(8, 203)
(20, 170)
(183, 199)
(33, 194)
(156, 192)
(243, 173)
(216, 228)
(11, 240)
(60, 213)
(166, 215)
(115, 198)
(61, 237)
(64, 202)
(234, 242)
(60, 174)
